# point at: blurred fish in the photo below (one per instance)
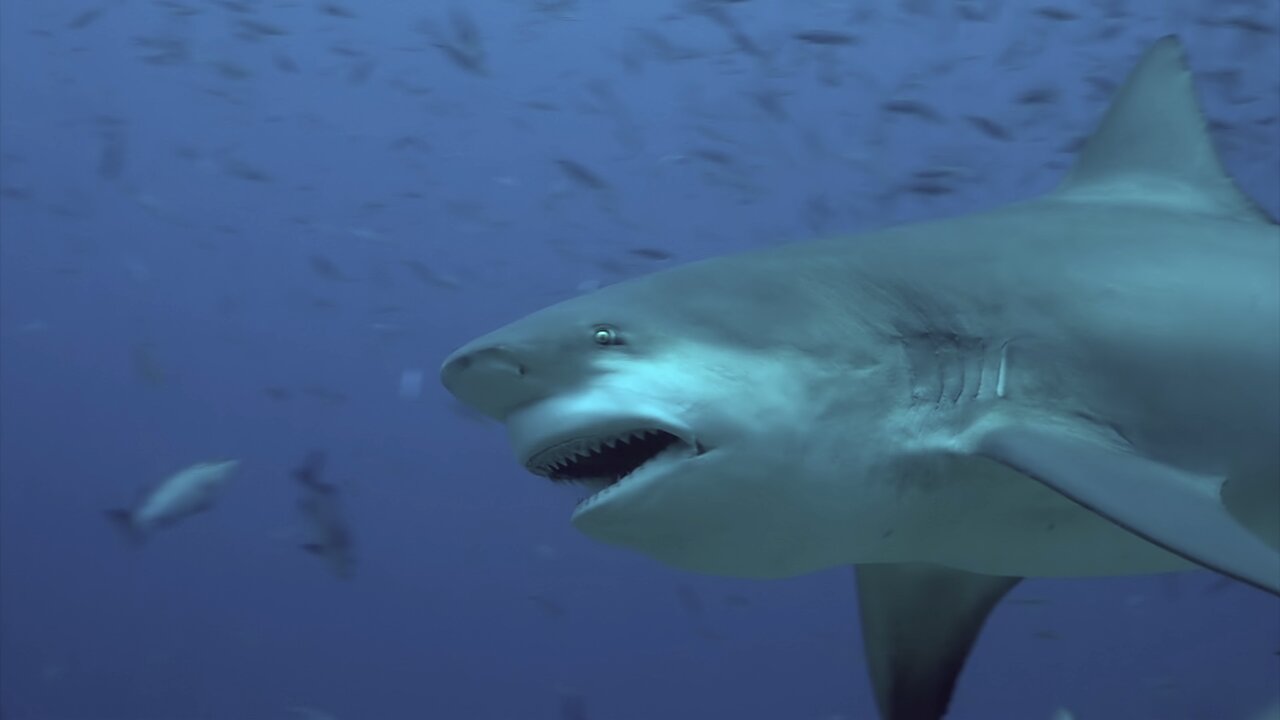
(465, 49)
(336, 10)
(284, 63)
(329, 536)
(581, 174)
(183, 494)
(111, 159)
(163, 49)
(469, 59)
(427, 276)
(989, 127)
(825, 37)
(976, 11)
(244, 171)
(1038, 96)
(549, 607)
(229, 70)
(325, 268)
(147, 367)
(255, 29)
(913, 107)
(650, 253)
(86, 18)
(1056, 13)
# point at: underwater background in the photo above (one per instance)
(252, 229)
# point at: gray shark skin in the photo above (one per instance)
(1086, 383)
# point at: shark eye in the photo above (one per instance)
(606, 335)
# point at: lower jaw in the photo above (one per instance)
(599, 488)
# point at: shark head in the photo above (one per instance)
(691, 430)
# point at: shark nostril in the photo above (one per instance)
(490, 378)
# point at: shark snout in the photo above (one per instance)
(492, 379)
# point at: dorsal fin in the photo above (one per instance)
(1153, 147)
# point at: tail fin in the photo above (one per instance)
(122, 520)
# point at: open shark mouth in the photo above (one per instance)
(609, 459)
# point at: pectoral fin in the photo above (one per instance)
(1177, 510)
(918, 624)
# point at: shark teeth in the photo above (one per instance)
(603, 458)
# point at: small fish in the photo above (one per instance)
(359, 73)
(929, 188)
(713, 156)
(329, 536)
(989, 127)
(649, 253)
(917, 7)
(284, 63)
(1038, 96)
(825, 37)
(427, 276)
(232, 71)
(111, 158)
(581, 174)
(147, 367)
(183, 494)
(336, 10)
(244, 171)
(1244, 23)
(163, 50)
(469, 59)
(912, 107)
(974, 11)
(1056, 13)
(325, 268)
(86, 18)
(253, 29)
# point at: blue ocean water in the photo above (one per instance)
(249, 229)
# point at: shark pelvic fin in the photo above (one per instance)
(1181, 512)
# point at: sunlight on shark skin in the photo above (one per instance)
(1081, 384)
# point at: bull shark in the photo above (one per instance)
(1085, 383)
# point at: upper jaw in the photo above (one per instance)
(608, 457)
(588, 443)
(572, 432)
